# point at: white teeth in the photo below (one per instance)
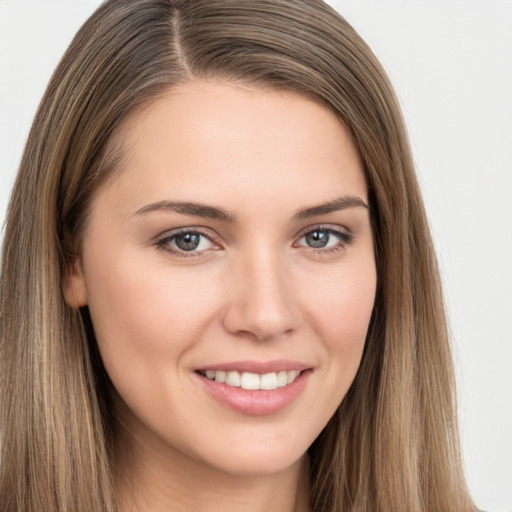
(250, 381)
(269, 381)
(253, 381)
(291, 376)
(233, 379)
(282, 379)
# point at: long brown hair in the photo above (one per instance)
(392, 445)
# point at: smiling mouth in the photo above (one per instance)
(252, 381)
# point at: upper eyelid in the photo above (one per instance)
(326, 227)
(207, 231)
(193, 229)
(345, 237)
(167, 236)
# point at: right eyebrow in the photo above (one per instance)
(189, 208)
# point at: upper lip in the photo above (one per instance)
(260, 367)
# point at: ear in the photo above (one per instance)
(73, 286)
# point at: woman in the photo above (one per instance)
(229, 295)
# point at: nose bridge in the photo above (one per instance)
(264, 303)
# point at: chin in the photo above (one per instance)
(258, 465)
(258, 457)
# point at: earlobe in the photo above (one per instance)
(74, 288)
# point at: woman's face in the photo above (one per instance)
(233, 250)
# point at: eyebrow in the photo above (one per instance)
(341, 203)
(215, 213)
(189, 208)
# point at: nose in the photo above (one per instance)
(262, 299)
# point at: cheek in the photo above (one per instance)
(146, 320)
(145, 315)
(341, 306)
(134, 297)
(340, 315)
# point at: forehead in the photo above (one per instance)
(204, 138)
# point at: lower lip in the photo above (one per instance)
(256, 402)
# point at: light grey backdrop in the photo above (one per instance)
(451, 63)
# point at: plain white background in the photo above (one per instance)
(451, 64)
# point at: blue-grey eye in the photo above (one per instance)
(192, 242)
(317, 239)
(187, 241)
(324, 238)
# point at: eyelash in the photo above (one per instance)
(343, 237)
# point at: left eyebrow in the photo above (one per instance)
(338, 204)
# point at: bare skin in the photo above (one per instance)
(236, 233)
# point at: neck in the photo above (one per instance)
(156, 480)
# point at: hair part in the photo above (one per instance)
(392, 444)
